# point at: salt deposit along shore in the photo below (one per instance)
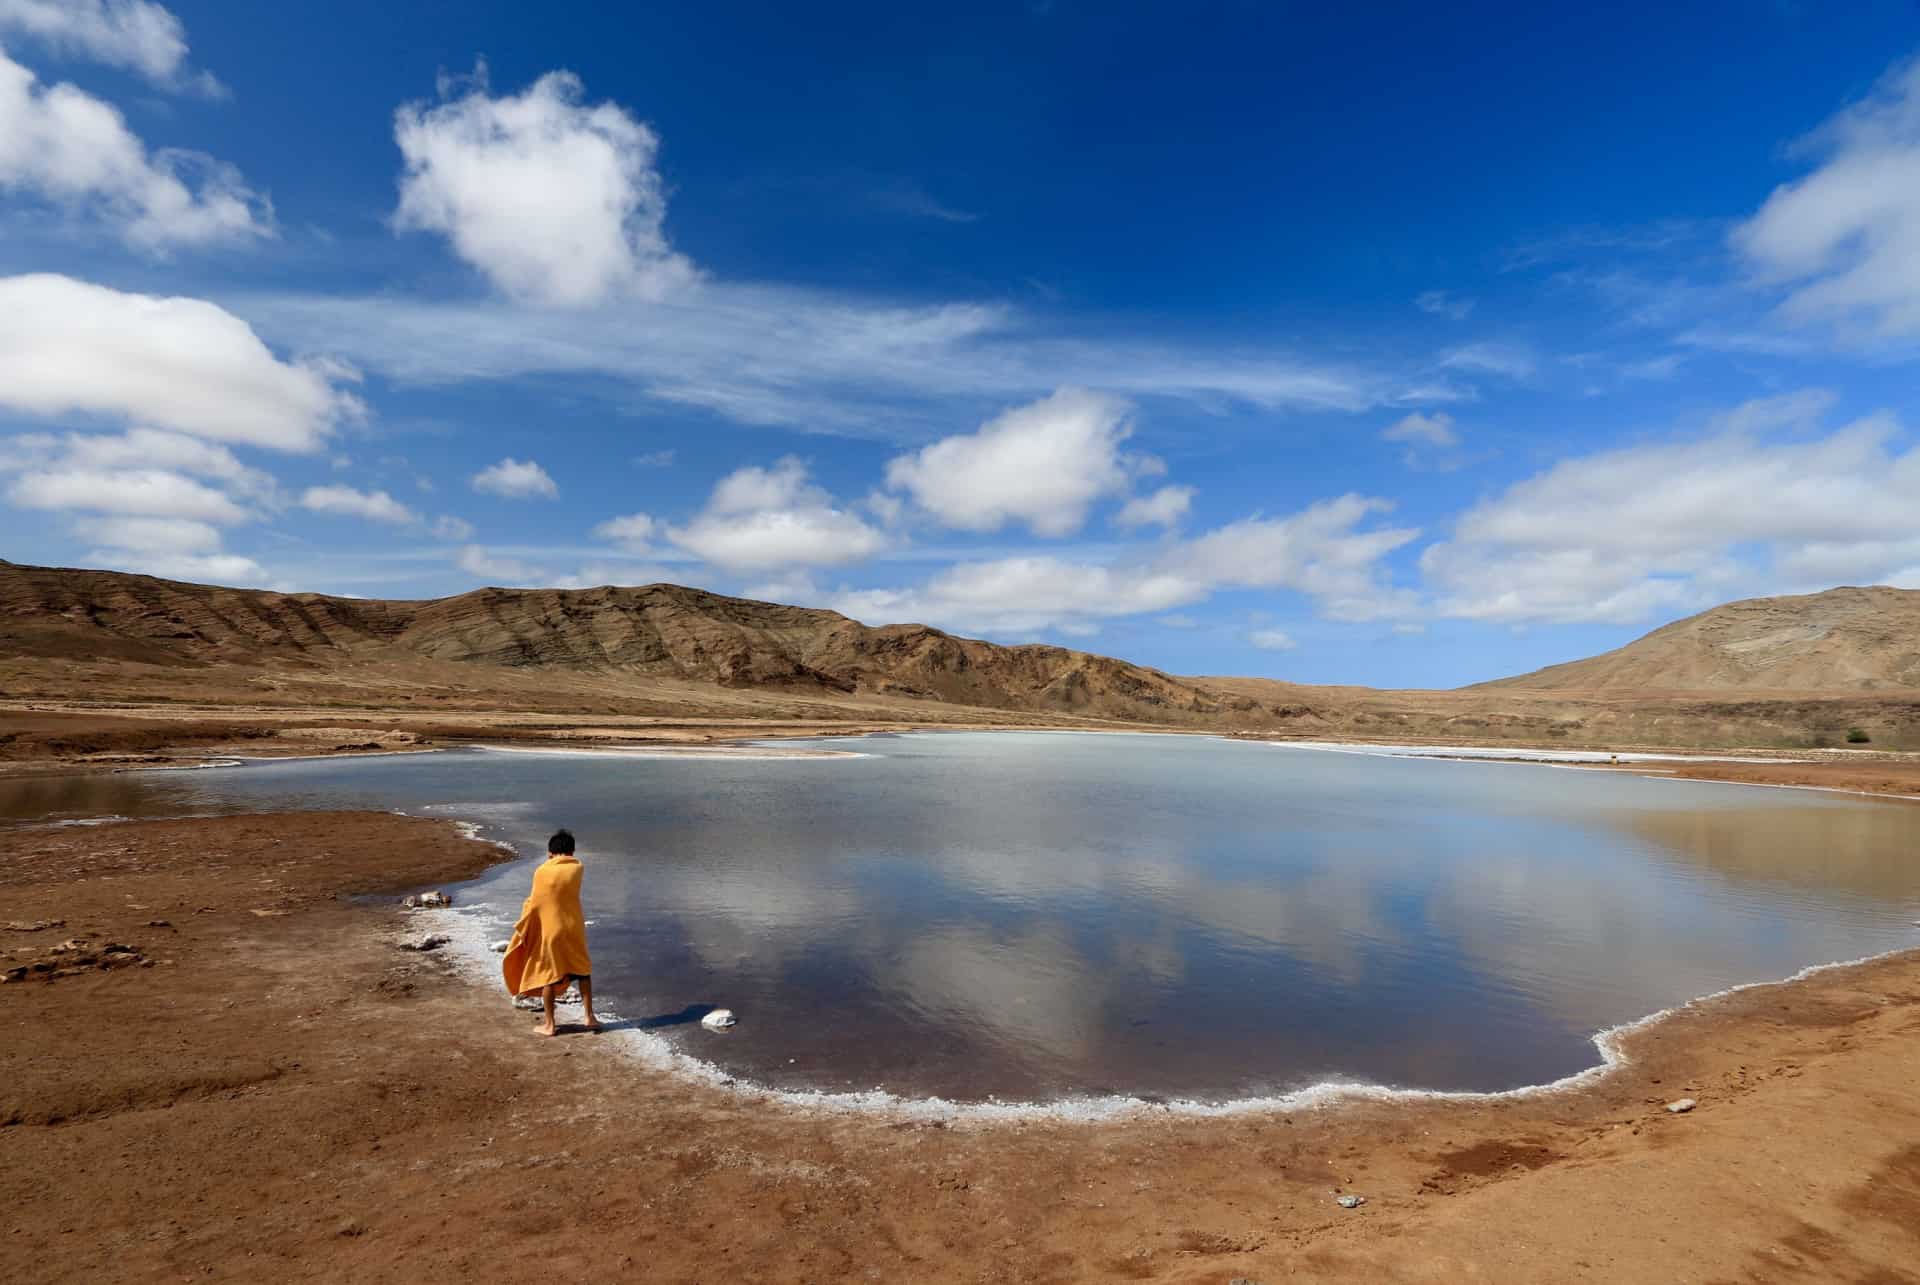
(260, 1086)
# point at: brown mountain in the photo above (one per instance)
(551, 646)
(667, 662)
(1841, 640)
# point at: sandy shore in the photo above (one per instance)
(263, 1088)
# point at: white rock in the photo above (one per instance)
(499, 947)
(719, 1019)
(1350, 1202)
(1683, 1106)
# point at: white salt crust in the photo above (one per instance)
(473, 927)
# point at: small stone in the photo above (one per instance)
(428, 901)
(499, 947)
(1350, 1202)
(719, 1019)
(158, 923)
(432, 942)
(1683, 1106)
(352, 1228)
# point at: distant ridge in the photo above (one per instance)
(609, 637)
(1788, 672)
(1847, 639)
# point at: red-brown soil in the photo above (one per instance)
(283, 1095)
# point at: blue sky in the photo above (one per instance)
(1407, 347)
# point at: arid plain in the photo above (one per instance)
(230, 1073)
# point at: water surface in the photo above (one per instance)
(1042, 916)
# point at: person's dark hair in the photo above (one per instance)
(561, 844)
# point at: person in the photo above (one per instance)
(549, 944)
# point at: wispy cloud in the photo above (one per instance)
(1507, 360)
(825, 361)
(1440, 303)
(910, 198)
(1582, 242)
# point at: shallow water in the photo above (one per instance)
(1043, 916)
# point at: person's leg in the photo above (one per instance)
(586, 1001)
(545, 1025)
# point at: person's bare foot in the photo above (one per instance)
(544, 1028)
(593, 1026)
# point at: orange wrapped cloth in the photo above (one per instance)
(549, 943)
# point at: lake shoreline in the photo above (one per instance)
(1889, 774)
(52, 738)
(470, 949)
(333, 1104)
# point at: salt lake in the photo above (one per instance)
(1042, 917)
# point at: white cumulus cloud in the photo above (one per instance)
(1765, 501)
(557, 201)
(205, 568)
(1325, 551)
(632, 532)
(1043, 464)
(176, 548)
(1845, 239)
(1022, 595)
(145, 500)
(1322, 551)
(477, 561)
(136, 492)
(1429, 430)
(138, 35)
(63, 145)
(141, 448)
(1272, 640)
(69, 346)
(516, 480)
(760, 519)
(345, 501)
(1165, 508)
(172, 536)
